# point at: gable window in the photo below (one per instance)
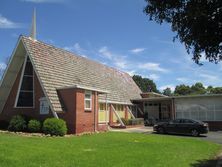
(26, 89)
(88, 100)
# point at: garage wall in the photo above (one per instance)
(200, 108)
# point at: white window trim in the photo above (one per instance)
(20, 85)
(88, 99)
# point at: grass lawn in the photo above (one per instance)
(104, 149)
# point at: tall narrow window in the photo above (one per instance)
(26, 90)
(88, 100)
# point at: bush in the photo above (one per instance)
(136, 121)
(34, 126)
(17, 124)
(54, 126)
(4, 125)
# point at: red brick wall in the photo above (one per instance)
(214, 125)
(85, 119)
(9, 109)
(68, 97)
(77, 118)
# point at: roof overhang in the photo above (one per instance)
(152, 99)
(100, 91)
(11, 72)
(175, 97)
(114, 102)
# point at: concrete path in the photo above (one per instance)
(211, 136)
(143, 129)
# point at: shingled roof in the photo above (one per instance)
(58, 68)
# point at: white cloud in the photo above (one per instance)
(172, 87)
(120, 63)
(3, 66)
(153, 77)
(137, 50)
(105, 53)
(6, 23)
(76, 48)
(118, 60)
(131, 72)
(152, 67)
(43, 1)
(211, 78)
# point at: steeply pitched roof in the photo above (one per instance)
(57, 68)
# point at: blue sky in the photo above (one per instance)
(116, 33)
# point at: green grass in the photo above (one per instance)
(104, 149)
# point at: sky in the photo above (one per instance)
(113, 32)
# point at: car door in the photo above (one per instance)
(172, 126)
(186, 126)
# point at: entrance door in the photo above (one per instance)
(103, 113)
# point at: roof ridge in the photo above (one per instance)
(74, 54)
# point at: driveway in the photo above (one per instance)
(211, 136)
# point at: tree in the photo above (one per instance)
(167, 92)
(145, 84)
(216, 90)
(182, 90)
(198, 88)
(197, 24)
(209, 89)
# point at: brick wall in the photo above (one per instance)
(77, 118)
(9, 111)
(68, 97)
(214, 125)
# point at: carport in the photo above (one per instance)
(156, 108)
(207, 108)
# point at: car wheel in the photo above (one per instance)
(161, 130)
(194, 133)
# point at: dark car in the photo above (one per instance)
(182, 126)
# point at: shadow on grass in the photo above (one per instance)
(206, 163)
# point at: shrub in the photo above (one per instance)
(34, 126)
(17, 124)
(4, 124)
(54, 126)
(136, 121)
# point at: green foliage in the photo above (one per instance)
(136, 121)
(197, 24)
(167, 92)
(198, 88)
(54, 126)
(145, 84)
(34, 126)
(216, 90)
(182, 90)
(17, 124)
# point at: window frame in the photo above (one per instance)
(88, 92)
(20, 85)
